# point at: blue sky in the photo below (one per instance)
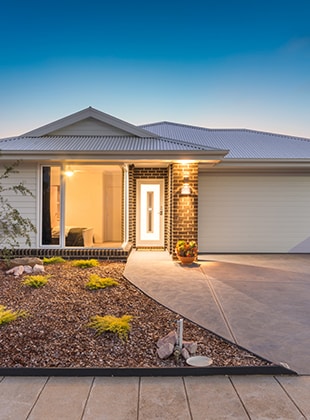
(221, 64)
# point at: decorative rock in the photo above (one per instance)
(17, 271)
(171, 338)
(37, 269)
(190, 346)
(185, 353)
(27, 269)
(32, 261)
(165, 350)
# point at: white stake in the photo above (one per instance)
(180, 332)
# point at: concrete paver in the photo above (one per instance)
(18, 396)
(62, 398)
(195, 398)
(113, 399)
(298, 388)
(163, 399)
(264, 399)
(213, 398)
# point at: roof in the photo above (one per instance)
(93, 134)
(241, 143)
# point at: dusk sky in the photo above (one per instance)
(217, 64)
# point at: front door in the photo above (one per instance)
(150, 213)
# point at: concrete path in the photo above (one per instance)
(188, 398)
(259, 302)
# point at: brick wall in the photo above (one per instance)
(181, 211)
(184, 208)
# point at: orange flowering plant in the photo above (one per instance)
(186, 248)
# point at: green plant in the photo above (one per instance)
(120, 326)
(53, 260)
(85, 263)
(186, 248)
(13, 225)
(7, 315)
(97, 282)
(35, 281)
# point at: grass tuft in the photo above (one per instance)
(53, 260)
(85, 263)
(35, 281)
(108, 323)
(7, 315)
(96, 282)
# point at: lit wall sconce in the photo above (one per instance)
(68, 172)
(186, 189)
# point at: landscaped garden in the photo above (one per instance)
(88, 315)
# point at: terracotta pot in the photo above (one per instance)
(186, 260)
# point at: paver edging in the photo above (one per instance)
(143, 372)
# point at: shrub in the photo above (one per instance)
(35, 281)
(120, 326)
(97, 282)
(85, 263)
(7, 315)
(53, 260)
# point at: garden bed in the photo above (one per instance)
(55, 332)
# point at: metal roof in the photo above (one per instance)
(241, 143)
(97, 143)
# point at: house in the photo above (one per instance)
(103, 186)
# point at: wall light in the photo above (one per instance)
(68, 172)
(186, 189)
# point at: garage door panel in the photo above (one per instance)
(255, 213)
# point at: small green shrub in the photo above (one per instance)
(7, 315)
(35, 281)
(85, 263)
(97, 282)
(53, 260)
(108, 323)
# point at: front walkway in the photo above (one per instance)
(260, 302)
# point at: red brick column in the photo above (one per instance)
(184, 208)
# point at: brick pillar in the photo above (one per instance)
(184, 208)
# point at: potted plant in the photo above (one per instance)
(186, 251)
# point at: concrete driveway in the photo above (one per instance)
(266, 301)
(260, 302)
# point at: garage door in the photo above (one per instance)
(254, 213)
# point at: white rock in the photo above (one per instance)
(185, 353)
(27, 269)
(171, 338)
(17, 271)
(190, 346)
(37, 269)
(165, 350)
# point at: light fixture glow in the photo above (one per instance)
(186, 189)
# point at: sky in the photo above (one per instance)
(211, 63)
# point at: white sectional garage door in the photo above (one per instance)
(254, 213)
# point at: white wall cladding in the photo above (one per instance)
(27, 205)
(254, 212)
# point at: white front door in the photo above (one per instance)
(150, 212)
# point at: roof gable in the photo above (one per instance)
(89, 122)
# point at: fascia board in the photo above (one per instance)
(197, 155)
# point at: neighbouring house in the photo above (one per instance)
(103, 186)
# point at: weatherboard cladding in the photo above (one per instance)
(242, 144)
(96, 143)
